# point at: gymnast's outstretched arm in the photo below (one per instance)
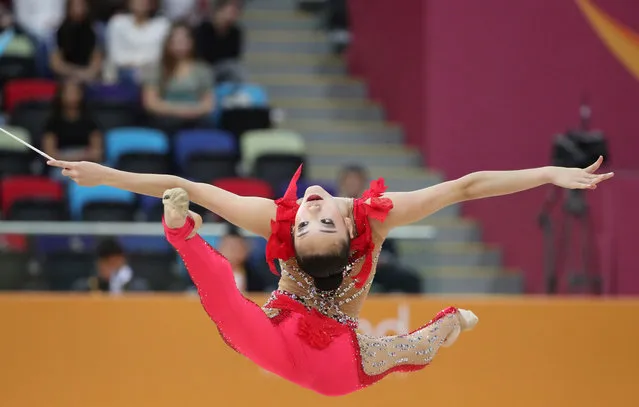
(410, 207)
(251, 213)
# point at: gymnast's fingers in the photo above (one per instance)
(60, 164)
(601, 177)
(595, 166)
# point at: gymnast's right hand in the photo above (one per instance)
(84, 173)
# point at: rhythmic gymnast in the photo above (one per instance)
(327, 248)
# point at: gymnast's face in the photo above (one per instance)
(320, 227)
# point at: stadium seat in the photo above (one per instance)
(261, 142)
(206, 155)
(62, 269)
(108, 212)
(245, 187)
(110, 93)
(38, 210)
(22, 90)
(15, 67)
(129, 140)
(111, 115)
(277, 168)
(152, 208)
(302, 185)
(146, 163)
(32, 116)
(8, 144)
(16, 189)
(238, 121)
(15, 270)
(158, 269)
(14, 163)
(81, 197)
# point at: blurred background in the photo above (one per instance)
(97, 309)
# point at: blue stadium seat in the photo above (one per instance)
(190, 142)
(206, 155)
(128, 140)
(79, 197)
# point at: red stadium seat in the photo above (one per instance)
(245, 187)
(19, 188)
(21, 90)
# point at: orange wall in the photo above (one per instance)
(162, 351)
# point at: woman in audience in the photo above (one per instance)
(179, 92)
(71, 131)
(134, 40)
(219, 40)
(77, 55)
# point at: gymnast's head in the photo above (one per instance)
(321, 237)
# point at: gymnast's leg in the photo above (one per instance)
(243, 324)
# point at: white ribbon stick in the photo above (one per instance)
(19, 140)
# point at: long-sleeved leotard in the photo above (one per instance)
(301, 335)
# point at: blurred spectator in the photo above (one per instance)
(248, 277)
(134, 40)
(114, 275)
(179, 9)
(178, 93)
(391, 275)
(337, 23)
(219, 40)
(13, 41)
(71, 133)
(40, 18)
(77, 55)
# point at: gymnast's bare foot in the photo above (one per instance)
(176, 209)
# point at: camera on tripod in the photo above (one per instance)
(579, 148)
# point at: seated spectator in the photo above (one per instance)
(337, 23)
(178, 93)
(40, 18)
(114, 276)
(13, 40)
(134, 40)
(219, 40)
(391, 276)
(248, 277)
(71, 132)
(77, 55)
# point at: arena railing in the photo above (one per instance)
(155, 229)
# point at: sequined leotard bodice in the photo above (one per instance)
(297, 293)
(343, 304)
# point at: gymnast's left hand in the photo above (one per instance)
(577, 178)
(84, 173)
